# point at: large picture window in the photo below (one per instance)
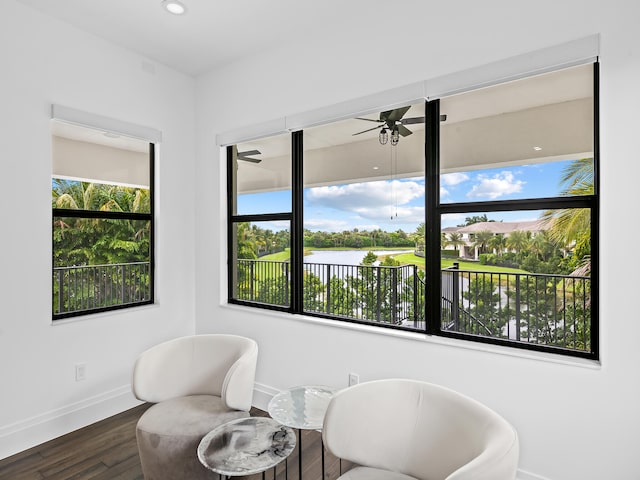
(102, 207)
(472, 216)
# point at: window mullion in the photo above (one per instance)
(297, 224)
(432, 217)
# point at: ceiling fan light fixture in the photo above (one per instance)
(383, 137)
(395, 137)
(174, 6)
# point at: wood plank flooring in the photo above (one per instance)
(107, 450)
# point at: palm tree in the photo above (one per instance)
(482, 240)
(418, 236)
(497, 242)
(566, 226)
(518, 240)
(456, 240)
(571, 227)
(538, 245)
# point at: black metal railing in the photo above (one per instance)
(376, 294)
(263, 281)
(93, 287)
(540, 309)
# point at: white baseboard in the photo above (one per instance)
(524, 475)
(33, 431)
(262, 394)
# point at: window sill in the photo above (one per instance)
(430, 339)
(108, 313)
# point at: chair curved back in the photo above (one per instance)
(420, 429)
(215, 364)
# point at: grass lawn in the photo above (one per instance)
(364, 249)
(277, 257)
(410, 258)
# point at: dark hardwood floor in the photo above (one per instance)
(107, 450)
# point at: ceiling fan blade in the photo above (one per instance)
(412, 120)
(368, 119)
(402, 130)
(368, 130)
(394, 115)
(249, 152)
(245, 156)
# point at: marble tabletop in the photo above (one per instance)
(246, 446)
(301, 407)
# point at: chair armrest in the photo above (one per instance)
(237, 388)
(490, 465)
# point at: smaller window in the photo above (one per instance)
(102, 221)
(260, 227)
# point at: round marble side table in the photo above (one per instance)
(302, 408)
(246, 446)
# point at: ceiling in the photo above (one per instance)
(211, 33)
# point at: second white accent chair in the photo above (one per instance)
(401, 429)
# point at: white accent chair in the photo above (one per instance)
(197, 383)
(401, 429)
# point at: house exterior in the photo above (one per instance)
(468, 234)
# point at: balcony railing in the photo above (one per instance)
(95, 287)
(540, 309)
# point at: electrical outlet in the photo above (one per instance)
(81, 371)
(354, 379)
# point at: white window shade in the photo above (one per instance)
(105, 124)
(92, 162)
(577, 52)
(97, 149)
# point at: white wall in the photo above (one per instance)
(43, 62)
(575, 421)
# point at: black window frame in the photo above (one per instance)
(109, 215)
(434, 210)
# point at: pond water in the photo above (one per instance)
(345, 257)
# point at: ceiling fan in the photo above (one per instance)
(245, 156)
(392, 123)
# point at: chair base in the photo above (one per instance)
(169, 432)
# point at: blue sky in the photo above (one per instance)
(399, 204)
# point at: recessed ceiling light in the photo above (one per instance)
(376, 168)
(111, 135)
(174, 6)
(537, 149)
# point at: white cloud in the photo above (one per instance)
(503, 183)
(451, 179)
(404, 214)
(367, 195)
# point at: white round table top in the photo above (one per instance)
(301, 407)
